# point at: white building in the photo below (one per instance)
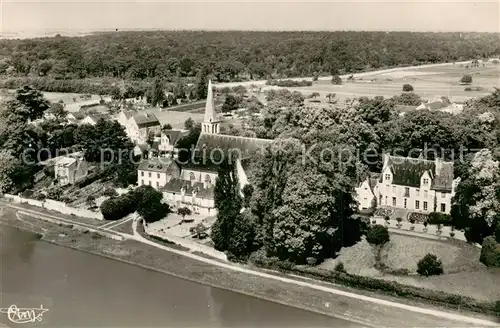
(138, 126)
(70, 169)
(416, 184)
(366, 191)
(157, 172)
(94, 118)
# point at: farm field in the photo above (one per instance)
(428, 82)
(174, 118)
(463, 273)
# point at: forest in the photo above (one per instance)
(231, 55)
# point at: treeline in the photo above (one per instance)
(232, 56)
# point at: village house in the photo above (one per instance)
(366, 191)
(70, 169)
(193, 184)
(93, 118)
(415, 184)
(157, 172)
(163, 144)
(138, 126)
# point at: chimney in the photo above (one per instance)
(439, 165)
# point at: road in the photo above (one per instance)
(364, 309)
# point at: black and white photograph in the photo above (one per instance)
(241, 164)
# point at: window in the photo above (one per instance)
(426, 182)
(150, 174)
(417, 204)
(405, 202)
(443, 195)
(158, 175)
(142, 173)
(407, 192)
(191, 176)
(393, 201)
(443, 207)
(157, 184)
(207, 179)
(142, 182)
(388, 177)
(425, 206)
(385, 200)
(418, 192)
(150, 182)
(393, 189)
(425, 193)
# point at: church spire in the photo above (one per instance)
(210, 124)
(210, 106)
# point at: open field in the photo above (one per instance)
(463, 273)
(428, 82)
(174, 118)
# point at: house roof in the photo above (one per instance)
(405, 109)
(201, 165)
(129, 113)
(436, 105)
(408, 172)
(146, 120)
(174, 135)
(160, 165)
(230, 145)
(65, 161)
(97, 116)
(176, 185)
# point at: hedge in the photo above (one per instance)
(490, 252)
(289, 83)
(260, 259)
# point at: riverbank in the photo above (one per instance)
(315, 300)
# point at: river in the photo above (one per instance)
(85, 290)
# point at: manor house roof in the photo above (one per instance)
(218, 144)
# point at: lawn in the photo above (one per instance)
(174, 118)
(463, 273)
(428, 82)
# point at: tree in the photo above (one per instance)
(315, 94)
(15, 176)
(407, 99)
(230, 103)
(29, 103)
(429, 265)
(167, 127)
(201, 83)
(247, 194)
(149, 204)
(466, 79)
(331, 97)
(377, 235)
(336, 80)
(407, 87)
(189, 124)
(156, 95)
(186, 144)
(57, 109)
(228, 204)
(183, 211)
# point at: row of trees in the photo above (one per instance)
(234, 55)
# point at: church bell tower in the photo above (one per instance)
(210, 124)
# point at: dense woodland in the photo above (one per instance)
(234, 55)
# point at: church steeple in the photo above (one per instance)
(210, 125)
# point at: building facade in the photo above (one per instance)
(416, 184)
(70, 169)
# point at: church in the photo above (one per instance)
(192, 184)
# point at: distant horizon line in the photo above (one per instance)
(129, 29)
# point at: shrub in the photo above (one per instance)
(466, 79)
(289, 83)
(429, 265)
(183, 211)
(311, 261)
(497, 233)
(336, 80)
(468, 89)
(340, 267)
(110, 192)
(412, 221)
(490, 252)
(497, 308)
(377, 235)
(399, 220)
(407, 87)
(439, 218)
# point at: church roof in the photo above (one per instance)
(145, 120)
(210, 104)
(227, 144)
(175, 185)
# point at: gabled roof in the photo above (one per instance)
(408, 172)
(65, 161)
(146, 120)
(201, 165)
(234, 146)
(160, 165)
(174, 135)
(175, 185)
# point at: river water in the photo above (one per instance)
(85, 290)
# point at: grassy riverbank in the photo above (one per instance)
(136, 253)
